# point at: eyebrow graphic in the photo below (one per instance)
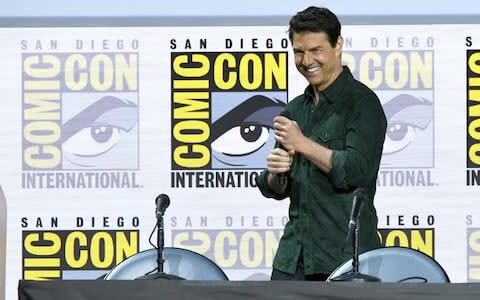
(93, 112)
(400, 102)
(405, 108)
(254, 110)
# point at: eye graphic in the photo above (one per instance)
(398, 136)
(407, 116)
(92, 141)
(96, 131)
(242, 136)
(242, 140)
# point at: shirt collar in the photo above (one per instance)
(333, 93)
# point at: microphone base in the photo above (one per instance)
(355, 277)
(159, 275)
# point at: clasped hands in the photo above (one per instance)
(288, 134)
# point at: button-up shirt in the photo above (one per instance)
(348, 119)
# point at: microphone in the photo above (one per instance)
(162, 202)
(282, 177)
(359, 196)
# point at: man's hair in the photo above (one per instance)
(316, 19)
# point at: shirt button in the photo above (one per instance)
(305, 214)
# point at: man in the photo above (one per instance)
(330, 145)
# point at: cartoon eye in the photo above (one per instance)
(242, 140)
(92, 141)
(399, 136)
(243, 136)
(97, 130)
(407, 117)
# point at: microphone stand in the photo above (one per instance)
(355, 275)
(160, 244)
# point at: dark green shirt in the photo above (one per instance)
(349, 119)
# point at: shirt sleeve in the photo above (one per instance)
(357, 164)
(262, 184)
(337, 174)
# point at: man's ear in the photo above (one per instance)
(339, 45)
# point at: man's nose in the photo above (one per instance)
(307, 59)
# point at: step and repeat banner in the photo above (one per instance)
(97, 122)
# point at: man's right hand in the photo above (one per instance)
(279, 161)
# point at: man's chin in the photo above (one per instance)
(313, 81)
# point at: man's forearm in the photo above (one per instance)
(319, 155)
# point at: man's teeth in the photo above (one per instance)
(311, 70)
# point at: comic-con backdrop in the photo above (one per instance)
(97, 122)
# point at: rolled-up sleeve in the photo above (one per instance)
(337, 174)
(262, 184)
(357, 164)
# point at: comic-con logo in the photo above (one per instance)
(403, 80)
(473, 117)
(254, 249)
(473, 254)
(75, 254)
(80, 120)
(223, 104)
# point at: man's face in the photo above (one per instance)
(316, 59)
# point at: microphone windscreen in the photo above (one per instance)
(162, 200)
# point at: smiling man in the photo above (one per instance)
(329, 145)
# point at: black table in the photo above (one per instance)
(231, 290)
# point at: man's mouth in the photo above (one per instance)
(312, 69)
